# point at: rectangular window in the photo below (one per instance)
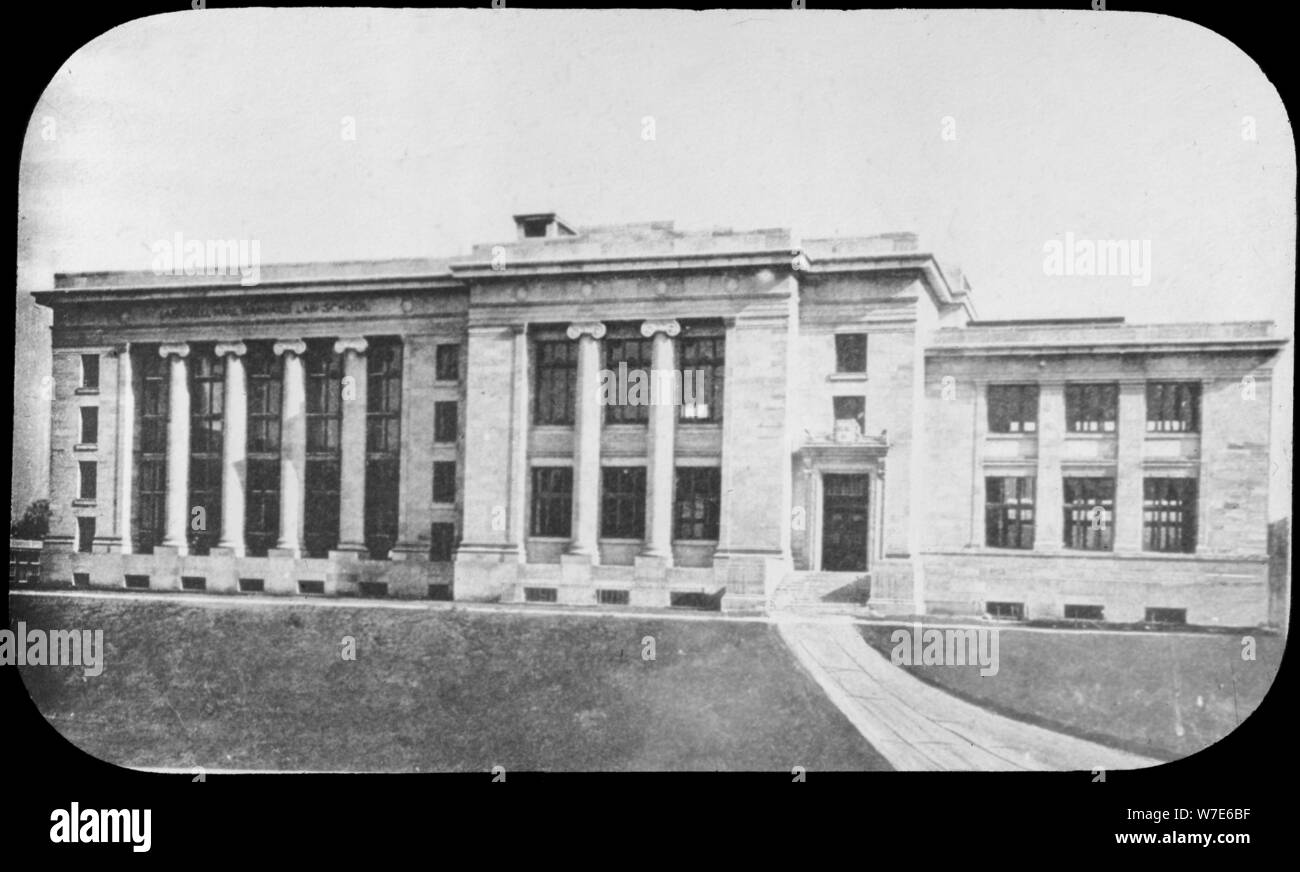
(552, 509)
(1006, 611)
(85, 535)
(851, 409)
(151, 448)
(851, 352)
(1169, 514)
(1166, 616)
(383, 443)
(695, 503)
(323, 372)
(444, 481)
(88, 486)
(445, 421)
(207, 427)
(1173, 407)
(555, 378)
(622, 502)
(90, 371)
(628, 357)
(1091, 408)
(1009, 512)
(1013, 408)
(701, 354)
(442, 542)
(448, 362)
(265, 381)
(89, 425)
(1089, 513)
(1084, 613)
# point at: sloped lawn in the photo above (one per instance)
(264, 685)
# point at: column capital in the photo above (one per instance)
(670, 328)
(237, 348)
(351, 343)
(290, 346)
(174, 349)
(578, 328)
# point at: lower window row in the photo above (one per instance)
(696, 498)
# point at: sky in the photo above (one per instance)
(990, 134)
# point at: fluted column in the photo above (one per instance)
(293, 446)
(352, 443)
(586, 441)
(125, 448)
(178, 446)
(661, 432)
(234, 447)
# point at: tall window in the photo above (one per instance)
(447, 363)
(383, 443)
(851, 352)
(89, 425)
(1091, 408)
(444, 481)
(1089, 513)
(696, 502)
(207, 425)
(445, 424)
(625, 345)
(1169, 514)
(622, 502)
(1013, 408)
(701, 351)
(264, 371)
(1173, 407)
(555, 376)
(552, 509)
(323, 371)
(151, 446)
(90, 371)
(88, 486)
(85, 535)
(442, 541)
(1009, 512)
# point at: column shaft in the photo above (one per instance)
(293, 447)
(178, 448)
(586, 442)
(352, 480)
(234, 447)
(125, 447)
(661, 433)
(1049, 498)
(1131, 434)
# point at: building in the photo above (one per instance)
(464, 429)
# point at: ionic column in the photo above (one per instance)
(352, 444)
(293, 446)
(125, 446)
(234, 447)
(586, 441)
(662, 429)
(178, 447)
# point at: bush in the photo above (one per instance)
(34, 524)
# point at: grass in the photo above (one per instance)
(1164, 695)
(264, 685)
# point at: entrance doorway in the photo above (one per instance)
(845, 522)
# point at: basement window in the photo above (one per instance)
(540, 595)
(1166, 616)
(81, 579)
(194, 582)
(376, 589)
(251, 585)
(440, 592)
(612, 597)
(137, 582)
(1005, 611)
(1084, 613)
(311, 586)
(694, 601)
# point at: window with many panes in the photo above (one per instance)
(323, 373)
(701, 357)
(447, 362)
(628, 357)
(207, 428)
(622, 502)
(555, 376)
(265, 381)
(151, 448)
(445, 421)
(383, 443)
(1169, 514)
(1173, 407)
(1013, 408)
(1091, 408)
(696, 503)
(1009, 512)
(1089, 513)
(851, 352)
(89, 425)
(552, 501)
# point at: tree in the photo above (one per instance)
(34, 524)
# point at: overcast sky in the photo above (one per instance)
(1106, 125)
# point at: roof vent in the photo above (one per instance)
(541, 225)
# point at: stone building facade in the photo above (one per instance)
(838, 420)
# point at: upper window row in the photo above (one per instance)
(1172, 407)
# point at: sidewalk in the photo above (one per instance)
(919, 727)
